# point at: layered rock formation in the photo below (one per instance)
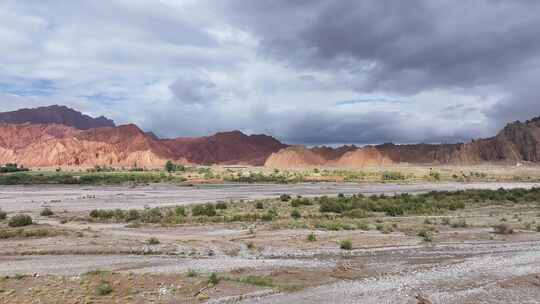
(50, 145)
(55, 115)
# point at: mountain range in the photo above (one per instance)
(60, 136)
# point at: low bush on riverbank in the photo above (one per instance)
(331, 213)
(103, 178)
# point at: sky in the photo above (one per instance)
(304, 71)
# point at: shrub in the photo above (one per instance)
(345, 245)
(46, 212)
(20, 220)
(3, 215)
(392, 176)
(296, 214)
(285, 197)
(170, 167)
(104, 288)
(206, 209)
(132, 215)
(460, 224)
(503, 228)
(221, 205)
(214, 279)
(330, 205)
(538, 228)
(356, 213)
(180, 211)
(445, 221)
(312, 237)
(151, 215)
(152, 241)
(268, 216)
(192, 273)
(259, 205)
(299, 202)
(425, 235)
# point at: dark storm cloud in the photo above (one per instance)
(408, 46)
(312, 127)
(399, 45)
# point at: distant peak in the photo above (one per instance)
(57, 114)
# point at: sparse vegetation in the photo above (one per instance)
(26, 233)
(3, 215)
(254, 280)
(312, 237)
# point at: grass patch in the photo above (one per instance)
(254, 280)
(26, 233)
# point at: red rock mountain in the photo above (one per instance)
(517, 142)
(43, 142)
(55, 114)
(225, 148)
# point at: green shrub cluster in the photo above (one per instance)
(204, 210)
(25, 233)
(152, 215)
(260, 177)
(301, 201)
(434, 202)
(392, 176)
(20, 220)
(106, 178)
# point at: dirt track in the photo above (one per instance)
(78, 198)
